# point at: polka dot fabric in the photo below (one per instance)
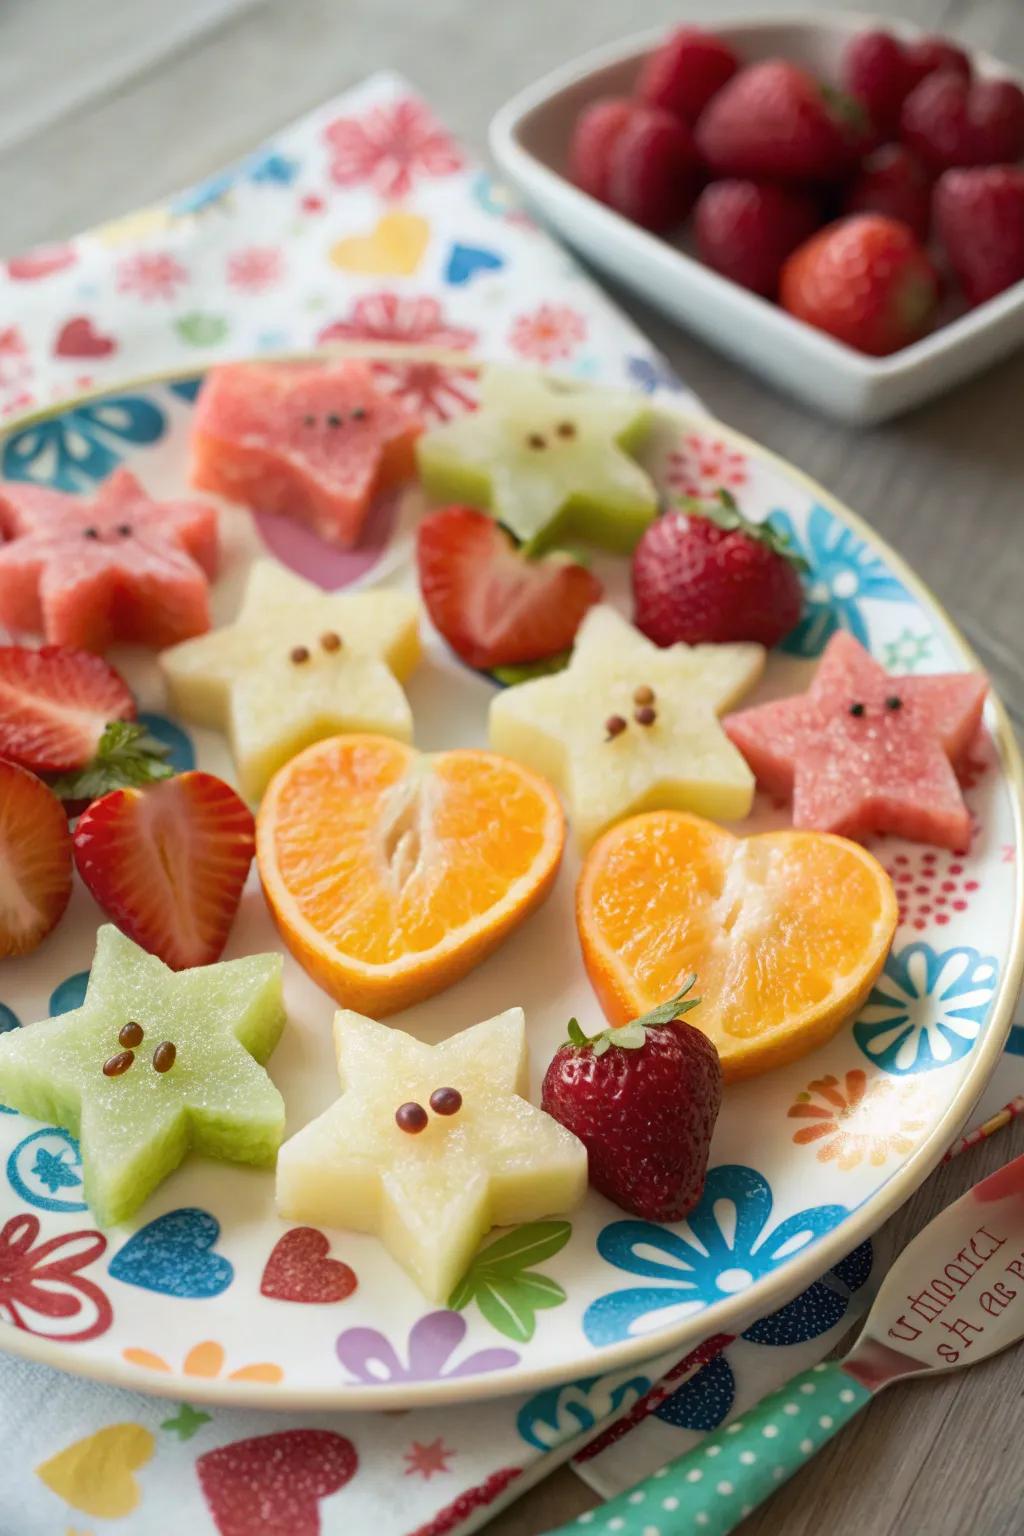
(710, 1490)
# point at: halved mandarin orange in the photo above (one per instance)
(391, 874)
(786, 931)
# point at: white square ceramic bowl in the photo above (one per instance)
(530, 136)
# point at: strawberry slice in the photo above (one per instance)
(54, 705)
(168, 863)
(35, 860)
(493, 605)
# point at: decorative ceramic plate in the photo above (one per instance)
(329, 1320)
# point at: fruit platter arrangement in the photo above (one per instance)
(875, 206)
(565, 819)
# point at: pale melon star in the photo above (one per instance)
(430, 1196)
(631, 727)
(135, 1127)
(298, 665)
(551, 463)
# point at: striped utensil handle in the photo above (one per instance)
(712, 1488)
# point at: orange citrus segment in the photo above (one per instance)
(786, 931)
(391, 874)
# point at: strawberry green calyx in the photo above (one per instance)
(728, 517)
(632, 1036)
(127, 755)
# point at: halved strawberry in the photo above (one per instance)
(493, 605)
(35, 860)
(54, 705)
(168, 863)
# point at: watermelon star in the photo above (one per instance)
(118, 567)
(135, 1124)
(630, 726)
(864, 752)
(313, 443)
(550, 463)
(297, 665)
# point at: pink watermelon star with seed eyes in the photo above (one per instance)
(312, 443)
(864, 752)
(117, 567)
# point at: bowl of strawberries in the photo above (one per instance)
(837, 203)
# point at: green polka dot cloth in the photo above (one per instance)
(710, 1490)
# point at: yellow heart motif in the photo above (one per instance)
(94, 1475)
(393, 249)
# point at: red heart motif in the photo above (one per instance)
(79, 338)
(272, 1485)
(299, 1269)
(41, 262)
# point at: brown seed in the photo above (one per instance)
(446, 1101)
(115, 1065)
(309, 421)
(90, 533)
(894, 701)
(411, 1117)
(298, 654)
(614, 726)
(164, 1056)
(125, 530)
(131, 1033)
(330, 641)
(566, 429)
(536, 440)
(643, 695)
(360, 413)
(645, 715)
(333, 419)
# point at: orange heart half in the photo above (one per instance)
(390, 873)
(786, 931)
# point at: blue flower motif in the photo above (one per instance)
(265, 166)
(842, 572)
(42, 1164)
(653, 373)
(69, 993)
(80, 447)
(558, 1414)
(187, 389)
(927, 1008)
(181, 754)
(53, 1170)
(702, 1261)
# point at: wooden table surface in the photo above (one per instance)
(106, 106)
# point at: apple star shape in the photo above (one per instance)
(430, 1146)
(297, 665)
(118, 567)
(630, 727)
(135, 1124)
(313, 443)
(864, 752)
(549, 462)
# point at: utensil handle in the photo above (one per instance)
(712, 1488)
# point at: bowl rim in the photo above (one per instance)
(504, 135)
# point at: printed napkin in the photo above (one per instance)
(364, 221)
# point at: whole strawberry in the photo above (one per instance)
(928, 55)
(746, 229)
(864, 280)
(643, 1099)
(877, 71)
(949, 121)
(709, 574)
(594, 132)
(774, 119)
(893, 181)
(684, 73)
(653, 169)
(979, 215)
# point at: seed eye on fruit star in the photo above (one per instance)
(117, 1066)
(124, 530)
(536, 440)
(614, 726)
(894, 702)
(566, 429)
(856, 709)
(411, 1118)
(333, 419)
(298, 654)
(330, 641)
(131, 1034)
(446, 1101)
(90, 533)
(645, 715)
(165, 1056)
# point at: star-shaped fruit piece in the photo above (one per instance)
(118, 566)
(551, 463)
(297, 665)
(629, 726)
(316, 443)
(864, 752)
(430, 1146)
(154, 1064)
